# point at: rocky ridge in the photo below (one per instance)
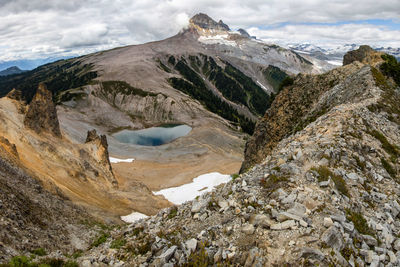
(325, 194)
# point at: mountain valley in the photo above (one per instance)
(311, 150)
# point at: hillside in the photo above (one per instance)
(11, 71)
(213, 79)
(323, 193)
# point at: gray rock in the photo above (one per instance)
(167, 255)
(328, 222)
(375, 261)
(248, 229)
(284, 225)
(198, 205)
(338, 218)
(371, 241)
(191, 245)
(311, 253)
(396, 244)
(298, 209)
(253, 254)
(324, 183)
(392, 257)
(353, 176)
(289, 199)
(333, 238)
(260, 220)
(349, 227)
(360, 262)
(340, 259)
(223, 204)
(284, 216)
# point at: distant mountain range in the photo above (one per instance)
(334, 54)
(11, 70)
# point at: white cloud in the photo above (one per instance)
(38, 28)
(330, 35)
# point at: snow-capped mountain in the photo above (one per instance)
(333, 54)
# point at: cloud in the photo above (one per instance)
(330, 35)
(37, 28)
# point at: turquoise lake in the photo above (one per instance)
(154, 136)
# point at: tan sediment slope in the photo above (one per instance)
(70, 170)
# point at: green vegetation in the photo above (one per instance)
(276, 77)
(391, 68)
(388, 167)
(163, 67)
(72, 94)
(324, 175)
(347, 252)
(390, 99)
(118, 243)
(256, 98)
(115, 87)
(360, 223)
(58, 76)
(392, 150)
(309, 119)
(273, 181)
(212, 102)
(360, 164)
(288, 81)
(199, 258)
(23, 261)
(100, 240)
(39, 252)
(302, 59)
(380, 80)
(173, 212)
(137, 231)
(233, 84)
(234, 176)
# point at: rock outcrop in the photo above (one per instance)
(324, 193)
(100, 152)
(205, 22)
(42, 113)
(364, 54)
(15, 94)
(7, 149)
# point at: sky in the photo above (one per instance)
(36, 30)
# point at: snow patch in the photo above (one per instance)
(200, 185)
(133, 217)
(335, 62)
(116, 160)
(262, 86)
(217, 39)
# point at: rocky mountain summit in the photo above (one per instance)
(321, 192)
(204, 21)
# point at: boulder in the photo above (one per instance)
(333, 238)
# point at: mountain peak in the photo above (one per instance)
(11, 70)
(204, 22)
